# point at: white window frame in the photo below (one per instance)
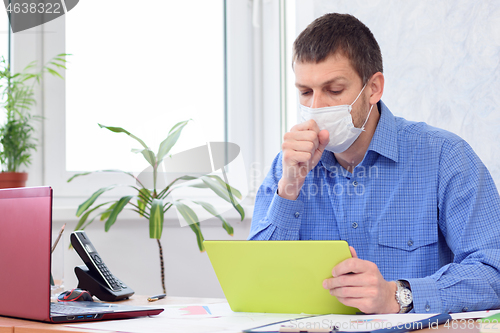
(253, 102)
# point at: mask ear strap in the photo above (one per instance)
(368, 116)
(359, 94)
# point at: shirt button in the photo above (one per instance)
(410, 243)
(465, 309)
(354, 225)
(355, 183)
(427, 307)
(297, 215)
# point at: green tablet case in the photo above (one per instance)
(278, 276)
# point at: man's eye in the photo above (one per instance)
(305, 93)
(335, 92)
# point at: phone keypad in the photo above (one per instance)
(110, 279)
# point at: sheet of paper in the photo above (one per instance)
(199, 318)
(354, 323)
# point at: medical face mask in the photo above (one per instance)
(337, 121)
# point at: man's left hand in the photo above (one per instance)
(358, 283)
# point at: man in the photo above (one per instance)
(417, 206)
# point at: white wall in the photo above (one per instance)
(441, 62)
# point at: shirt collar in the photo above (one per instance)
(384, 140)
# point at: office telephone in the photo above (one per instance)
(95, 276)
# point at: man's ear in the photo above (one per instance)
(376, 85)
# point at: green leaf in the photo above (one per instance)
(79, 174)
(83, 219)
(223, 193)
(53, 72)
(156, 219)
(87, 203)
(144, 197)
(121, 130)
(89, 222)
(110, 170)
(120, 204)
(180, 123)
(211, 209)
(29, 66)
(199, 235)
(28, 77)
(171, 139)
(166, 207)
(224, 185)
(199, 185)
(164, 192)
(57, 64)
(182, 178)
(108, 211)
(187, 213)
(86, 215)
(190, 216)
(148, 155)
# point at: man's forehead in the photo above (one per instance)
(334, 69)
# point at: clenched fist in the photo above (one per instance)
(302, 150)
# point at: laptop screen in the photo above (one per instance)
(25, 237)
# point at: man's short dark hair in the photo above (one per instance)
(340, 33)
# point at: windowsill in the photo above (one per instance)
(67, 214)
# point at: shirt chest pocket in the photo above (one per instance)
(407, 236)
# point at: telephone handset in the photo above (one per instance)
(95, 276)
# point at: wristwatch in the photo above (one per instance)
(404, 297)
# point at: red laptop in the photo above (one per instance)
(25, 262)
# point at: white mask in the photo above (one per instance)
(337, 121)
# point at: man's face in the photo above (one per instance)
(331, 82)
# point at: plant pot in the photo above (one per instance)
(13, 179)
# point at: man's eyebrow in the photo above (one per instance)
(335, 79)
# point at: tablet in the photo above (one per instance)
(278, 276)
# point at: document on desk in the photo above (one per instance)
(196, 318)
(354, 323)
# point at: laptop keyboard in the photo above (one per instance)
(67, 309)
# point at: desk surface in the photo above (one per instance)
(9, 325)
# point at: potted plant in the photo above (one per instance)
(16, 133)
(153, 203)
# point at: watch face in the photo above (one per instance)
(405, 297)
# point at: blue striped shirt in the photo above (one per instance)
(421, 205)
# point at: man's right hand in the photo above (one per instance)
(302, 150)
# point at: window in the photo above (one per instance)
(138, 72)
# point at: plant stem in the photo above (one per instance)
(162, 268)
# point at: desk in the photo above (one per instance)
(9, 325)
